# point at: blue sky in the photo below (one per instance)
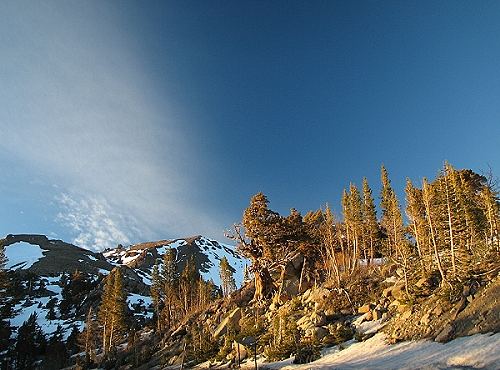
(124, 121)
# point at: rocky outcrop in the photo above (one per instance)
(477, 310)
(481, 314)
(230, 321)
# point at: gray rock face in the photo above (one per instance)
(231, 320)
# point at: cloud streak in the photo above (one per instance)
(96, 225)
(79, 112)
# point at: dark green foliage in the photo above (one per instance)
(56, 356)
(307, 353)
(284, 339)
(340, 333)
(156, 294)
(252, 325)
(72, 341)
(30, 344)
(51, 314)
(74, 291)
(201, 347)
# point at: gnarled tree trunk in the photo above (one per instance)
(264, 286)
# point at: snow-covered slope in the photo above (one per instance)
(40, 305)
(479, 351)
(207, 254)
(39, 264)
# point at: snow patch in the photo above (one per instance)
(131, 257)
(477, 351)
(146, 278)
(22, 255)
(134, 298)
(176, 244)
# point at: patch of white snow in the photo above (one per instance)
(22, 255)
(477, 351)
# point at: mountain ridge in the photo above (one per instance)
(67, 257)
(40, 265)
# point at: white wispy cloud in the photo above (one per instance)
(96, 225)
(76, 108)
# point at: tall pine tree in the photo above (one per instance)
(226, 273)
(391, 221)
(112, 311)
(371, 234)
(156, 294)
(170, 289)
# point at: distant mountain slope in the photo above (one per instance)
(42, 256)
(207, 254)
(40, 265)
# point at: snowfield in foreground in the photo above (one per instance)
(479, 351)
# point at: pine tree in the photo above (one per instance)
(30, 344)
(188, 280)
(428, 196)
(491, 207)
(397, 247)
(371, 234)
(87, 339)
(118, 310)
(169, 269)
(464, 216)
(347, 230)
(471, 186)
(112, 310)
(356, 223)
(415, 210)
(170, 288)
(104, 315)
(391, 221)
(207, 292)
(156, 294)
(452, 215)
(57, 354)
(330, 243)
(72, 343)
(259, 242)
(312, 224)
(226, 272)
